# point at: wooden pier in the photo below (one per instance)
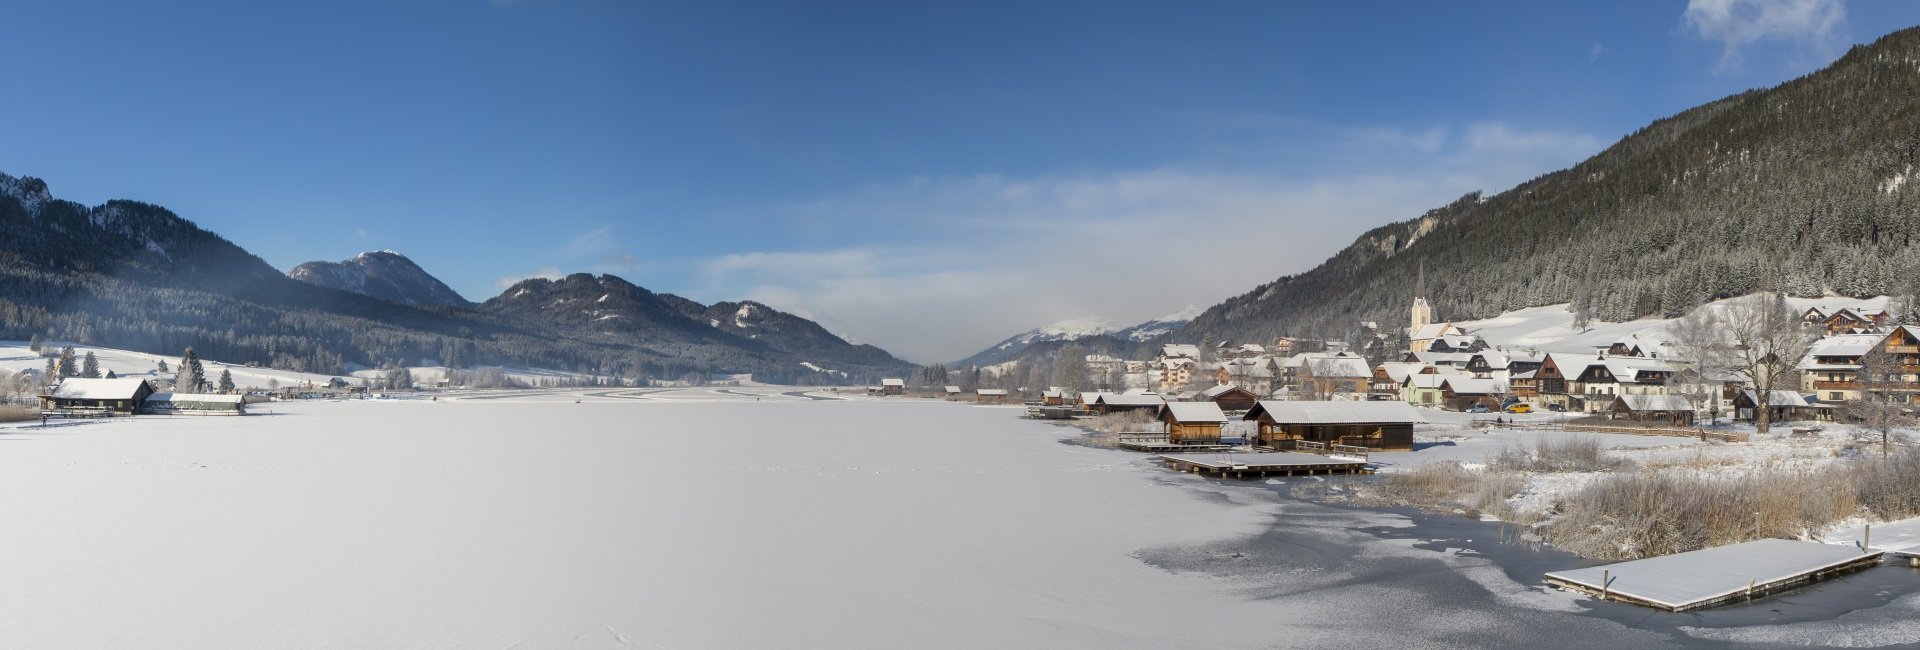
(1262, 465)
(1716, 576)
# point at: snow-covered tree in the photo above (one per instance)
(226, 381)
(191, 374)
(69, 364)
(90, 366)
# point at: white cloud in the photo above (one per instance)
(1735, 24)
(547, 272)
(1599, 50)
(993, 254)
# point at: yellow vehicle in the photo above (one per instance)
(1520, 408)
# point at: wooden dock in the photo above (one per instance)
(1163, 446)
(1261, 465)
(1716, 576)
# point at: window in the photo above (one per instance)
(1833, 397)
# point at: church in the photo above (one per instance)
(1421, 330)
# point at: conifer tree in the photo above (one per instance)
(190, 376)
(226, 381)
(34, 344)
(90, 366)
(51, 375)
(69, 364)
(162, 366)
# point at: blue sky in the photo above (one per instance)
(929, 178)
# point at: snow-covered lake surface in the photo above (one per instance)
(754, 518)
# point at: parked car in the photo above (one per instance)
(1520, 408)
(1478, 408)
(1556, 408)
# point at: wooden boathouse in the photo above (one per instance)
(1374, 425)
(1192, 422)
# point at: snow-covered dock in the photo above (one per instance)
(1263, 464)
(1897, 538)
(1714, 576)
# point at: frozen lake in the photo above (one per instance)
(753, 518)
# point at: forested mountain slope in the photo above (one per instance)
(1803, 187)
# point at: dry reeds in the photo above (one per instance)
(17, 413)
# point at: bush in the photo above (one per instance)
(1890, 488)
(1554, 453)
(1643, 514)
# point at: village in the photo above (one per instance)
(1270, 410)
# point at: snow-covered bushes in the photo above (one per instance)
(1648, 513)
(1571, 453)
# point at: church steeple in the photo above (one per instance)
(1421, 315)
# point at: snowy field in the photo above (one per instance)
(751, 518)
(699, 518)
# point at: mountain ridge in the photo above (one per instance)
(139, 277)
(384, 274)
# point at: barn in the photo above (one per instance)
(1192, 423)
(990, 396)
(194, 404)
(121, 395)
(1378, 425)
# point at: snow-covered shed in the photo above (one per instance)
(1657, 408)
(1190, 423)
(953, 393)
(1112, 403)
(1783, 404)
(893, 386)
(990, 395)
(120, 395)
(194, 404)
(1379, 425)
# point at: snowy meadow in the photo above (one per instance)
(750, 518)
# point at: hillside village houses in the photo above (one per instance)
(1446, 366)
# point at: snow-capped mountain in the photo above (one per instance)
(1159, 326)
(385, 274)
(1081, 328)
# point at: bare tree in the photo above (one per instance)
(1699, 339)
(1882, 405)
(1766, 348)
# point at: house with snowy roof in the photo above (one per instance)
(1230, 397)
(1831, 368)
(893, 386)
(1460, 393)
(1339, 376)
(107, 396)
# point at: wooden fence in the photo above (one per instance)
(1721, 436)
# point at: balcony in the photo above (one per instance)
(1903, 349)
(1836, 385)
